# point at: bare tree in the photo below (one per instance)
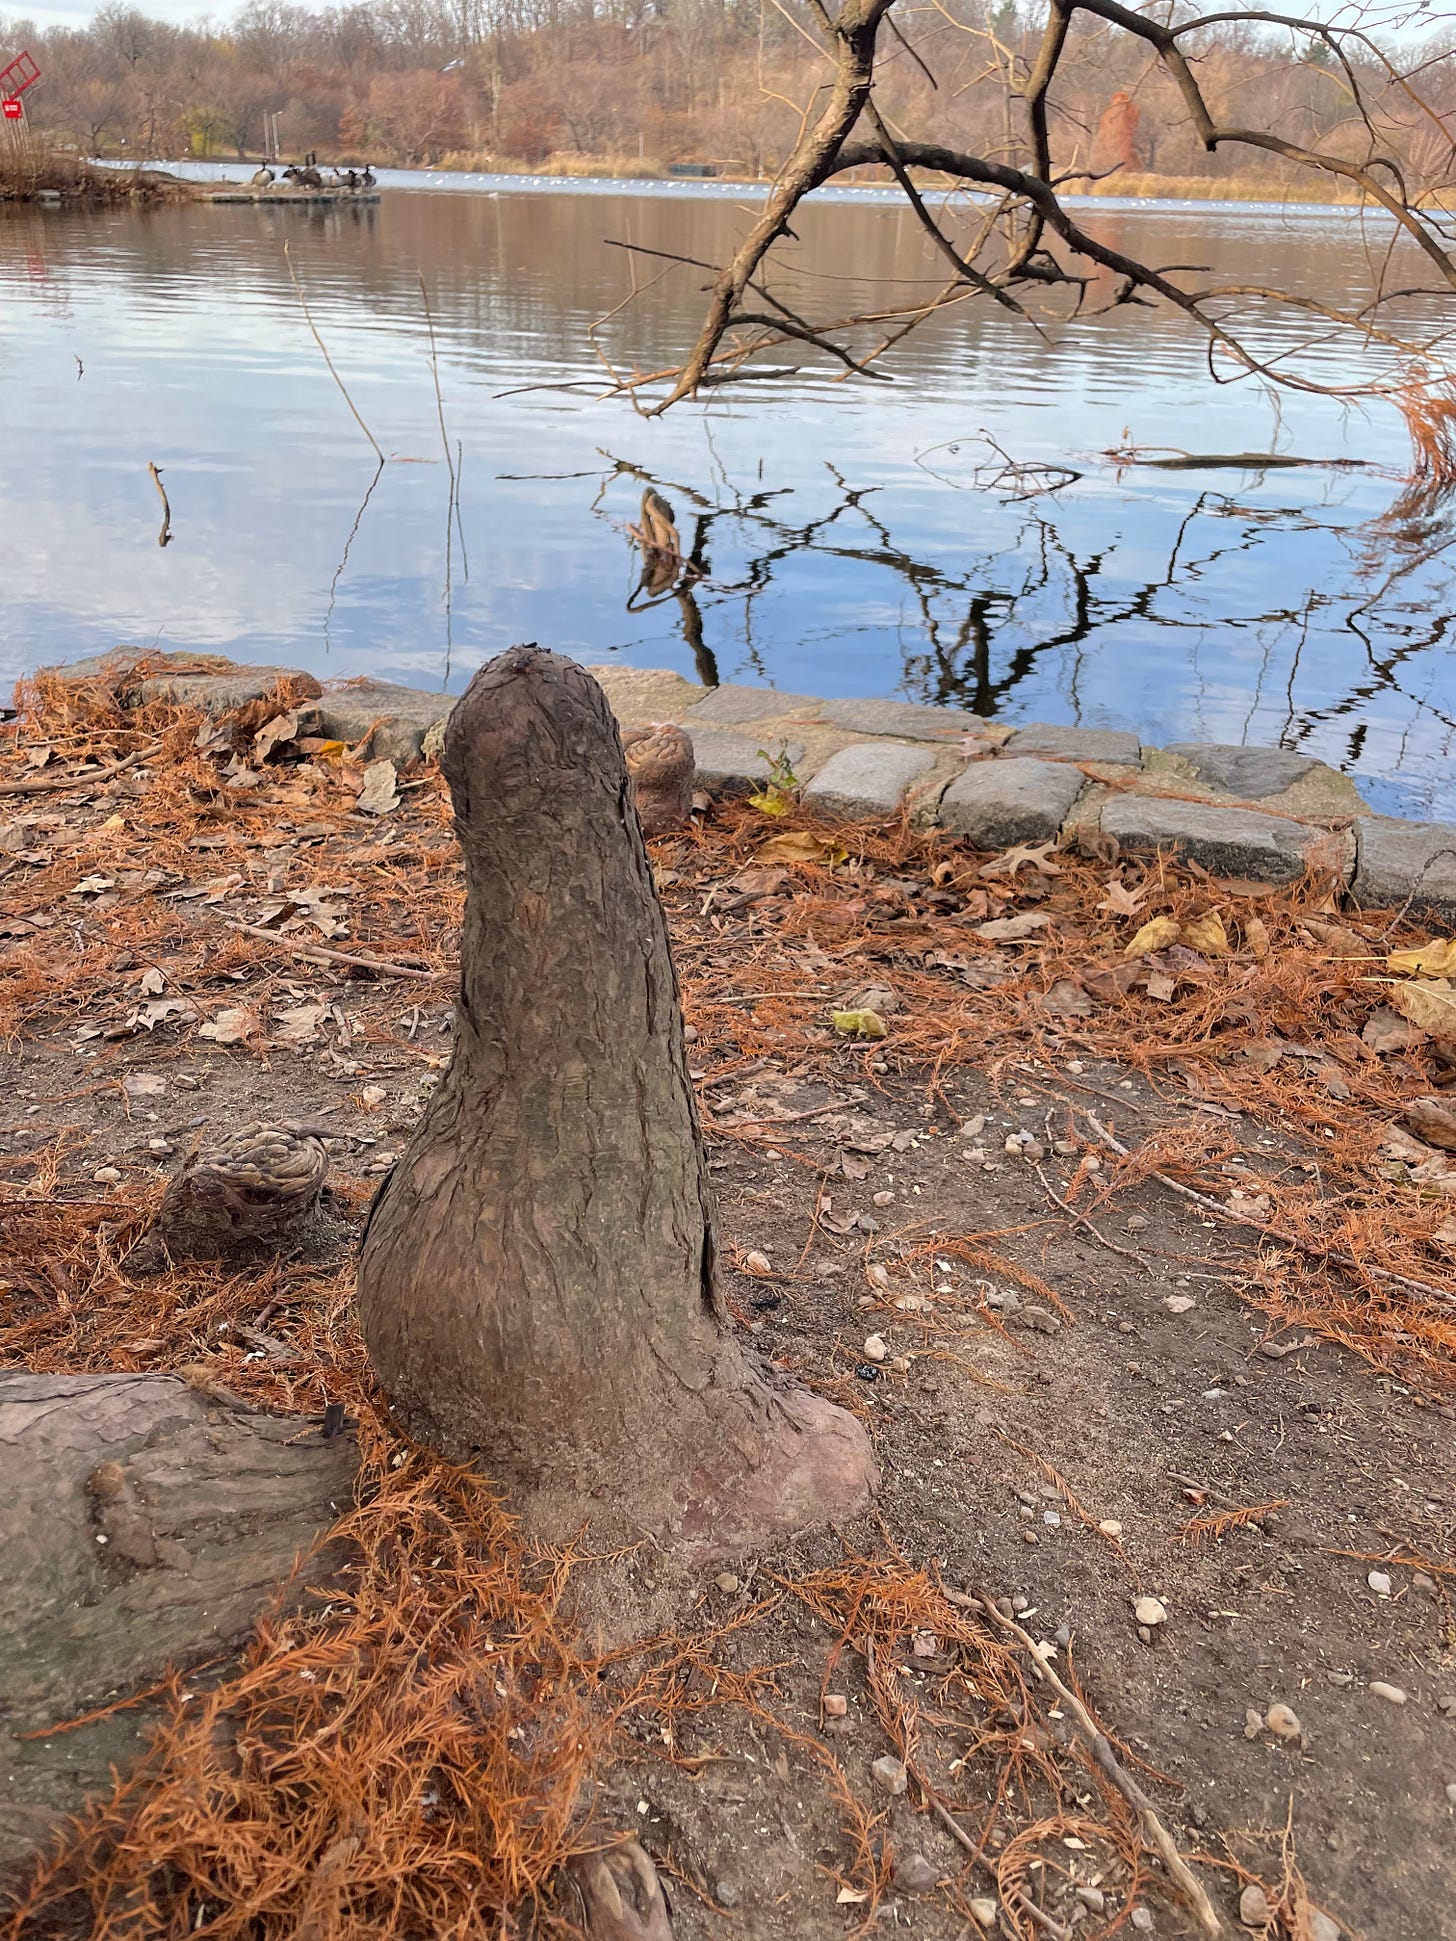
(1016, 242)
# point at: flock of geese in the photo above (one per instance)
(308, 176)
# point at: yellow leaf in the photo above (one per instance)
(1207, 935)
(1430, 1005)
(1435, 959)
(1156, 934)
(858, 1024)
(114, 822)
(799, 846)
(771, 801)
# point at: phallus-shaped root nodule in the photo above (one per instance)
(248, 1190)
(536, 1283)
(660, 765)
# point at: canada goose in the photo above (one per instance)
(366, 180)
(264, 178)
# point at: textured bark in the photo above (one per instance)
(204, 1511)
(537, 1280)
(252, 1190)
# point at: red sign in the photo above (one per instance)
(15, 79)
(12, 110)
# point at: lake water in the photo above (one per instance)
(848, 538)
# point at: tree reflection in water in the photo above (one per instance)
(982, 628)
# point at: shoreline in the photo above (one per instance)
(1247, 814)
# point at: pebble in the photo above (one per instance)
(1033, 1150)
(1051, 1519)
(835, 1705)
(1145, 1634)
(1136, 1222)
(158, 1145)
(1110, 1527)
(757, 1264)
(106, 1175)
(915, 1874)
(1040, 1319)
(1092, 1897)
(1013, 1144)
(889, 1775)
(1254, 1908)
(1283, 1723)
(1150, 1610)
(1446, 1706)
(1321, 1927)
(1420, 1582)
(1064, 1148)
(726, 1581)
(984, 1912)
(1019, 1604)
(875, 1348)
(1253, 1722)
(1142, 1919)
(726, 1892)
(1064, 1635)
(1392, 1694)
(884, 1199)
(1179, 1303)
(1451, 1791)
(1378, 1582)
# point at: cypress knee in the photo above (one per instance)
(536, 1284)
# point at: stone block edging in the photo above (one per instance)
(858, 759)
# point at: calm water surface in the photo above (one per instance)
(849, 536)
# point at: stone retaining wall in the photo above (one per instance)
(1265, 814)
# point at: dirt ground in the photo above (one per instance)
(1084, 1389)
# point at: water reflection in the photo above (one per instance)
(831, 538)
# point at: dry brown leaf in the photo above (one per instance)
(1433, 1120)
(1013, 930)
(379, 794)
(1156, 934)
(1429, 1004)
(1161, 986)
(1385, 1030)
(798, 846)
(1120, 901)
(1256, 936)
(1023, 855)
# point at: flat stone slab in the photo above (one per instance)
(730, 705)
(210, 682)
(640, 696)
(907, 719)
(405, 716)
(1250, 772)
(1076, 744)
(869, 778)
(1014, 799)
(734, 763)
(1228, 842)
(1396, 860)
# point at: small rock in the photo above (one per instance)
(1145, 1634)
(106, 1175)
(1446, 1705)
(726, 1581)
(1253, 1722)
(1283, 1723)
(1013, 1145)
(1064, 1148)
(1340, 1679)
(1254, 1908)
(1451, 1791)
(1142, 1919)
(1321, 1927)
(884, 1199)
(889, 1775)
(1051, 1519)
(1041, 1319)
(984, 1912)
(1092, 1897)
(1179, 1303)
(1379, 1582)
(1136, 1222)
(835, 1705)
(1392, 1694)
(923, 1644)
(1420, 1582)
(158, 1145)
(1150, 1610)
(757, 1263)
(1110, 1527)
(1033, 1150)
(914, 1874)
(875, 1348)
(726, 1893)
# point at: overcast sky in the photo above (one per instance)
(75, 13)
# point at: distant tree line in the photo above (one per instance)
(652, 82)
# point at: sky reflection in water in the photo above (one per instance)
(847, 541)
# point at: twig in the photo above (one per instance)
(43, 785)
(1338, 1255)
(343, 389)
(164, 537)
(1128, 1253)
(320, 953)
(1153, 1829)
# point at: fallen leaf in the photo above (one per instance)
(1336, 938)
(1207, 934)
(1156, 934)
(858, 1024)
(150, 1015)
(1023, 855)
(1433, 1120)
(1256, 936)
(151, 984)
(1386, 1031)
(230, 1027)
(1161, 986)
(299, 1023)
(849, 1897)
(1430, 1005)
(1263, 1053)
(1066, 999)
(1012, 930)
(273, 734)
(379, 794)
(771, 801)
(1120, 901)
(1435, 959)
(93, 886)
(799, 846)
